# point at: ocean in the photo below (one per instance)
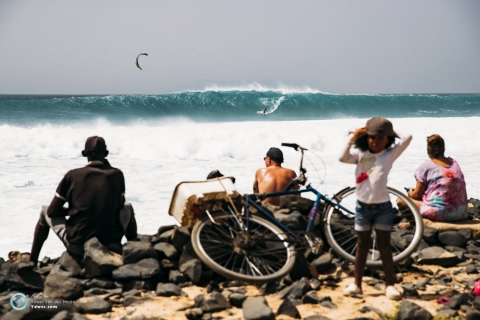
(161, 140)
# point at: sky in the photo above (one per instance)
(375, 46)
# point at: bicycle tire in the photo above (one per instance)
(340, 234)
(212, 243)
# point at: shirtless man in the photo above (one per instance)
(273, 178)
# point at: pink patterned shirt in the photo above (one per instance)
(445, 196)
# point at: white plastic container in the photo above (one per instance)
(200, 194)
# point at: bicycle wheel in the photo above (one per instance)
(339, 228)
(261, 254)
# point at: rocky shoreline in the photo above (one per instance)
(160, 277)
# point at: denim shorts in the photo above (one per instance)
(379, 215)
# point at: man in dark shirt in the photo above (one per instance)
(96, 206)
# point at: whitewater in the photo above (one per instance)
(156, 152)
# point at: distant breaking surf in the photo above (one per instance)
(219, 104)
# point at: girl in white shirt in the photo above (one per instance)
(374, 154)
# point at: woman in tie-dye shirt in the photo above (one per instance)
(440, 193)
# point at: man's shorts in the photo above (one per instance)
(57, 224)
(379, 215)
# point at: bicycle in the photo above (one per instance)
(257, 248)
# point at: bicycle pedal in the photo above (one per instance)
(317, 246)
(315, 243)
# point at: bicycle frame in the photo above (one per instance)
(312, 215)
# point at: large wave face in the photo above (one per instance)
(231, 105)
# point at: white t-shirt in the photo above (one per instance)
(372, 169)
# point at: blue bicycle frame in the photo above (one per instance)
(312, 214)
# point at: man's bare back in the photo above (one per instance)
(273, 178)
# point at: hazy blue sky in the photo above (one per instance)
(89, 47)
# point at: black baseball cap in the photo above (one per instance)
(214, 174)
(217, 174)
(94, 146)
(275, 154)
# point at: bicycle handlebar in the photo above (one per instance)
(294, 146)
(291, 145)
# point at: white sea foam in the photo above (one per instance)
(155, 156)
(282, 88)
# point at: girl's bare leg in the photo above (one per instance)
(363, 244)
(383, 242)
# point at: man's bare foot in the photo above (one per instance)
(404, 225)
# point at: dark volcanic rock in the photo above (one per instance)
(60, 286)
(411, 311)
(437, 256)
(430, 235)
(446, 313)
(452, 238)
(98, 260)
(327, 303)
(143, 269)
(20, 276)
(213, 286)
(72, 264)
(166, 250)
(187, 254)
(144, 285)
(3, 284)
(213, 302)
(311, 298)
(473, 315)
(168, 290)
(471, 268)
(192, 269)
(296, 290)
(177, 277)
(467, 232)
(236, 299)
(268, 288)
(257, 309)
(165, 236)
(168, 265)
(134, 251)
(194, 313)
(409, 290)
(95, 305)
(399, 241)
(300, 268)
(459, 299)
(180, 237)
(289, 309)
(78, 316)
(476, 303)
(129, 300)
(100, 283)
(323, 263)
(62, 315)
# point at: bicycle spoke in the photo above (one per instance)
(351, 238)
(252, 266)
(354, 249)
(219, 232)
(217, 256)
(268, 251)
(229, 258)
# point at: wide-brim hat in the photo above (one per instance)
(380, 126)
